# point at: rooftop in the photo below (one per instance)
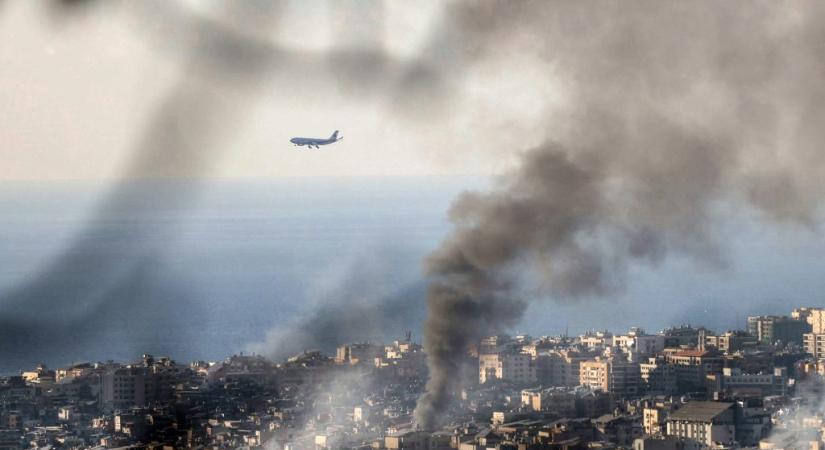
(700, 410)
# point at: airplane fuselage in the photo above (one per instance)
(315, 142)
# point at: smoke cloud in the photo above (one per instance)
(226, 57)
(189, 131)
(371, 300)
(672, 111)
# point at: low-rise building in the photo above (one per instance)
(731, 341)
(596, 339)
(734, 382)
(560, 401)
(357, 353)
(637, 342)
(707, 423)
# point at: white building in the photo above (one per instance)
(637, 342)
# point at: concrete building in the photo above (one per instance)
(814, 344)
(560, 401)
(408, 440)
(658, 377)
(731, 341)
(815, 317)
(753, 422)
(733, 381)
(596, 339)
(778, 329)
(517, 368)
(621, 430)
(74, 371)
(654, 418)
(707, 423)
(358, 353)
(637, 342)
(123, 388)
(41, 375)
(560, 367)
(692, 367)
(495, 344)
(663, 443)
(681, 336)
(595, 374)
(614, 375)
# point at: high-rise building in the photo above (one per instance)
(658, 377)
(516, 368)
(615, 375)
(814, 316)
(123, 388)
(495, 344)
(778, 329)
(814, 344)
(692, 367)
(560, 367)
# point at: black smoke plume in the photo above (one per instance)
(672, 110)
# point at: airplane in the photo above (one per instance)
(315, 142)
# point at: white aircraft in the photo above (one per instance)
(315, 142)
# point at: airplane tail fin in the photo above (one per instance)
(334, 135)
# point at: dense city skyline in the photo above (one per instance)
(684, 387)
(509, 167)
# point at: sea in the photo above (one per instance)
(274, 266)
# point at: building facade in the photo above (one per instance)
(778, 329)
(516, 368)
(706, 423)
(614, 375)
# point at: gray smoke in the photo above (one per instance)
(672, 111)
(226, 57)
(372, 300)
(189, 131)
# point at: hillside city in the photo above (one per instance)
(685, 387)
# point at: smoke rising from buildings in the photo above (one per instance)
(796, 430)
(668, 110)
(672, 110)
(370, 300)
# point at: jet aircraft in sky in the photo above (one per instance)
(315, 142)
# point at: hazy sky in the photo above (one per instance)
(79, 87)
(631, 135)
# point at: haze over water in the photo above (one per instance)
(254, 255)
